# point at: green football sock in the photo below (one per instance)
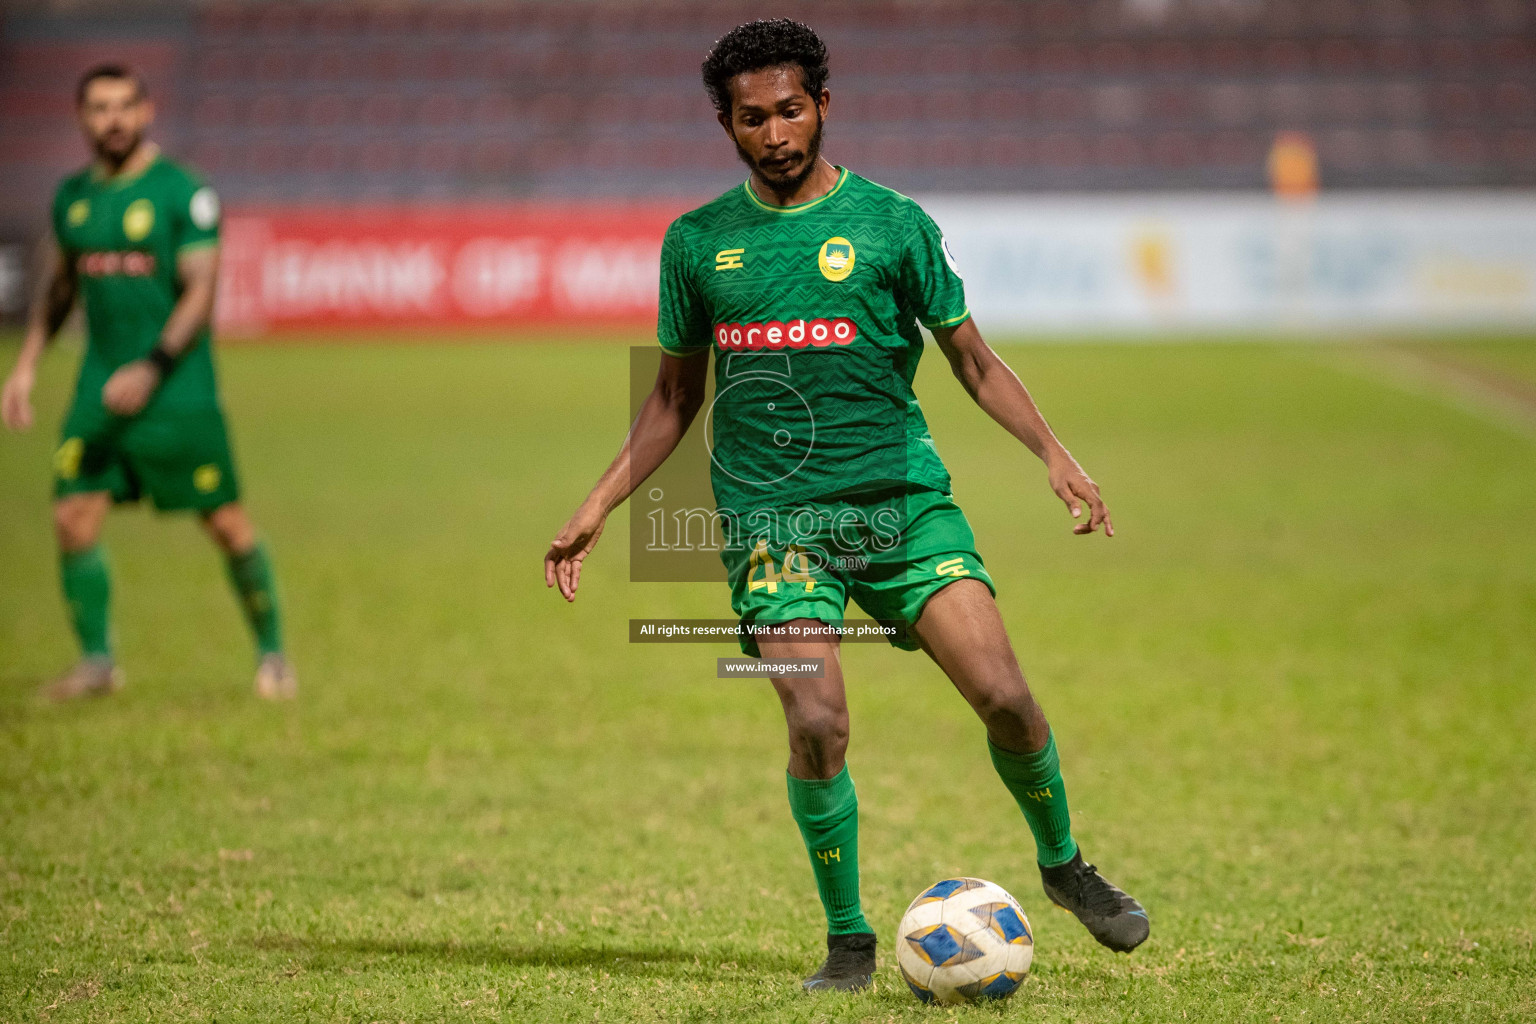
(88, 591)
(1035, 782)
(827, 811)
(251, 576)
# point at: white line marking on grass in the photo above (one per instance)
(1478, 394)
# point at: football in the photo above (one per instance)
(964, 940)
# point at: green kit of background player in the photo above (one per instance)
(136, 237)
(808, 283)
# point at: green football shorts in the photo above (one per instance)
(180, 459)
(890, 552)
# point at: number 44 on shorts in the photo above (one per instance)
(797, 569)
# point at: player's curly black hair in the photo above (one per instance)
(764, 44)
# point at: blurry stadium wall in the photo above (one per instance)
(1098, 163)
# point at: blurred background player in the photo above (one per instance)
(854, 267)
(137, 236)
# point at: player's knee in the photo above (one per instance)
(230, 529)
(820, 726)
(76, 525)
(1004, 708)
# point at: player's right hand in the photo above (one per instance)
(16, 400)
(576, 539)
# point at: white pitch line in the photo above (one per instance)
(1448, 384)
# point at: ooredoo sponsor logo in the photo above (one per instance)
(776, 334)
(113, 264)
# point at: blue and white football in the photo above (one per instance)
(964, 940)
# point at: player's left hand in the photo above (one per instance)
(1076, 488)
(129, 389)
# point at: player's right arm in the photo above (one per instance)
(682, 331)
(664, 418)
(52, 298)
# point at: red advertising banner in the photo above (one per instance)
(458, 266)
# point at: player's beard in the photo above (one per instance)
(784, 187)
(114, 148)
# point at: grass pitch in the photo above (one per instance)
(1295, 696)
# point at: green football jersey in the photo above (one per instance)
(123, 237)
(813, 313)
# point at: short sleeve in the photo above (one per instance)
(57, 213)
(929, 281)
(195, 216)
(682, 321)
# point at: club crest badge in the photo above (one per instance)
(139, 220)
(835, 258)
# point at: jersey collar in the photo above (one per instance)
(746, 186)
(122, 180)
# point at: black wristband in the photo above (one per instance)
(163, 361)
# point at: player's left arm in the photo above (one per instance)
(998, 390)
(129, 389)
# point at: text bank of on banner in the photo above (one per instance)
(451, 266)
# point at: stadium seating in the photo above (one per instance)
(333, 101)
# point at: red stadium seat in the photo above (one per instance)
(1169, 56)
(1512, 52)
(1231, 103)
(1339, 55)
(1461, 146)
(326, 110)
(1448, 55)
(214, 111)
(1116, 57)
(384, 110)
(1228, 57)
(1119, 150)
(944, 106)
(1284, 56)
(1348, 149)
(277, 20)
(1517, 147)
(492, 157)
(1395, 56)
(1288, 104)
(437, 157)
(1455, 103)
(1062, 150)
(270, 110)
(439, 110)
(1005, 150)
(1514, 100)
(1171, 150)
(1005, 105)
(492, 111)
(218, 65)
(276, 65)
(1236, 149)
(1344, 101)
(1403, 102)
(1407, 148)
(1062, 103)
(208, 158)
(323, 157)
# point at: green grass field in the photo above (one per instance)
(1296, 698)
